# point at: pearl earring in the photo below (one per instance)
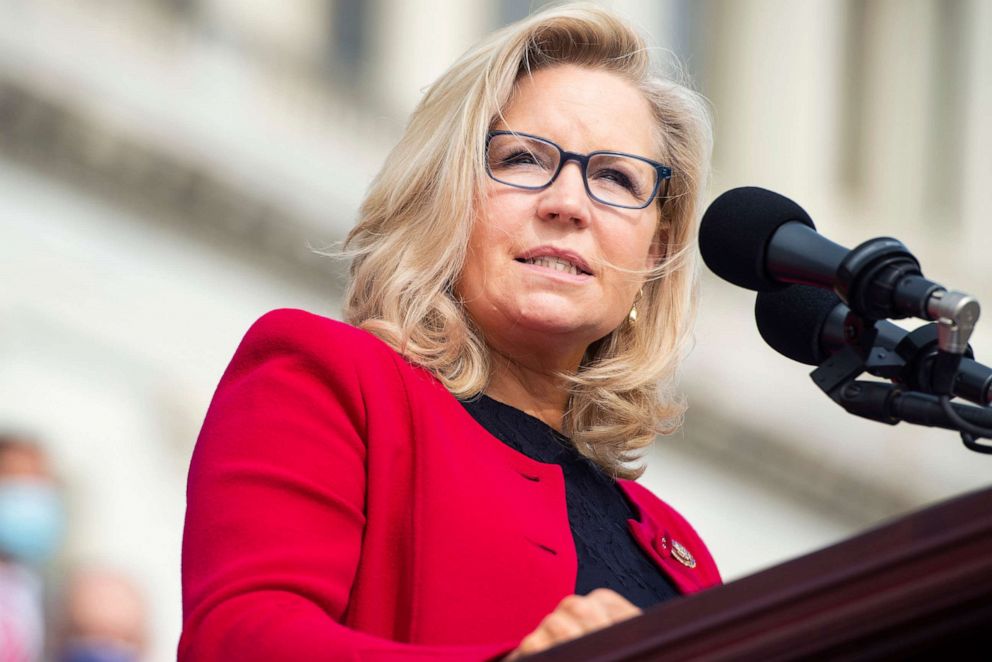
(632, 315)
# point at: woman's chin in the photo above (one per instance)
(545, 323)
(558, 329)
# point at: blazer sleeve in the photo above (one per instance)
(275, 503)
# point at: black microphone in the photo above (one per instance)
(762, 241)
(809, 325)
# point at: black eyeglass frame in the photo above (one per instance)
(662, 172)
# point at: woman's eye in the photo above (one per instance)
(520, 158)
(617, 178)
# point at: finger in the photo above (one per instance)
(535, 642)
(561, 626)
(588, 612)
(617, 607)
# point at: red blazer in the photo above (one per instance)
(343, 505)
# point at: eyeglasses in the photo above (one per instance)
(613, 178)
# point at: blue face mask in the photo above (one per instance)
(31, 519)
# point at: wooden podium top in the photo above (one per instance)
(918, 585)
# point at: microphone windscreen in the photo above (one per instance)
(736, 230)
(791, 320)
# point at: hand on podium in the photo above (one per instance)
(575, 616)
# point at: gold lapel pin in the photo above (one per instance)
(682, 555)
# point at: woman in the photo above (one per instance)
(447, 476)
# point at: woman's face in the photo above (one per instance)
(536, 307)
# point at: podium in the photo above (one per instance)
(917, 587)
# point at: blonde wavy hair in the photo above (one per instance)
(409, 245)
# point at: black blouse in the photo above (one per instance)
(608, 556)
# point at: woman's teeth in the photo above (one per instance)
(555, 263)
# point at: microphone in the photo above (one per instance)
(809, 325)
(762, 241)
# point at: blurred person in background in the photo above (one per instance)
(452, 474)
(103, 618)
(31, 527)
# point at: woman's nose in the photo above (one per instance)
(566, 197)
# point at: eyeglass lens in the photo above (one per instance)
(527, 162)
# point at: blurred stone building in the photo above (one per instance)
(170, 170)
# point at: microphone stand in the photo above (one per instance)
(892, 403)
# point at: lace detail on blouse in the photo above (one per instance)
(608, 556)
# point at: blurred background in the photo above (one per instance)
(169, 168)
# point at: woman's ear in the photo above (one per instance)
(659, 246)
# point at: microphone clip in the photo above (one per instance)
(956, 314)
(892, 403)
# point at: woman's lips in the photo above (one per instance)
(556, 259)
(556, 264)
(555, 269)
